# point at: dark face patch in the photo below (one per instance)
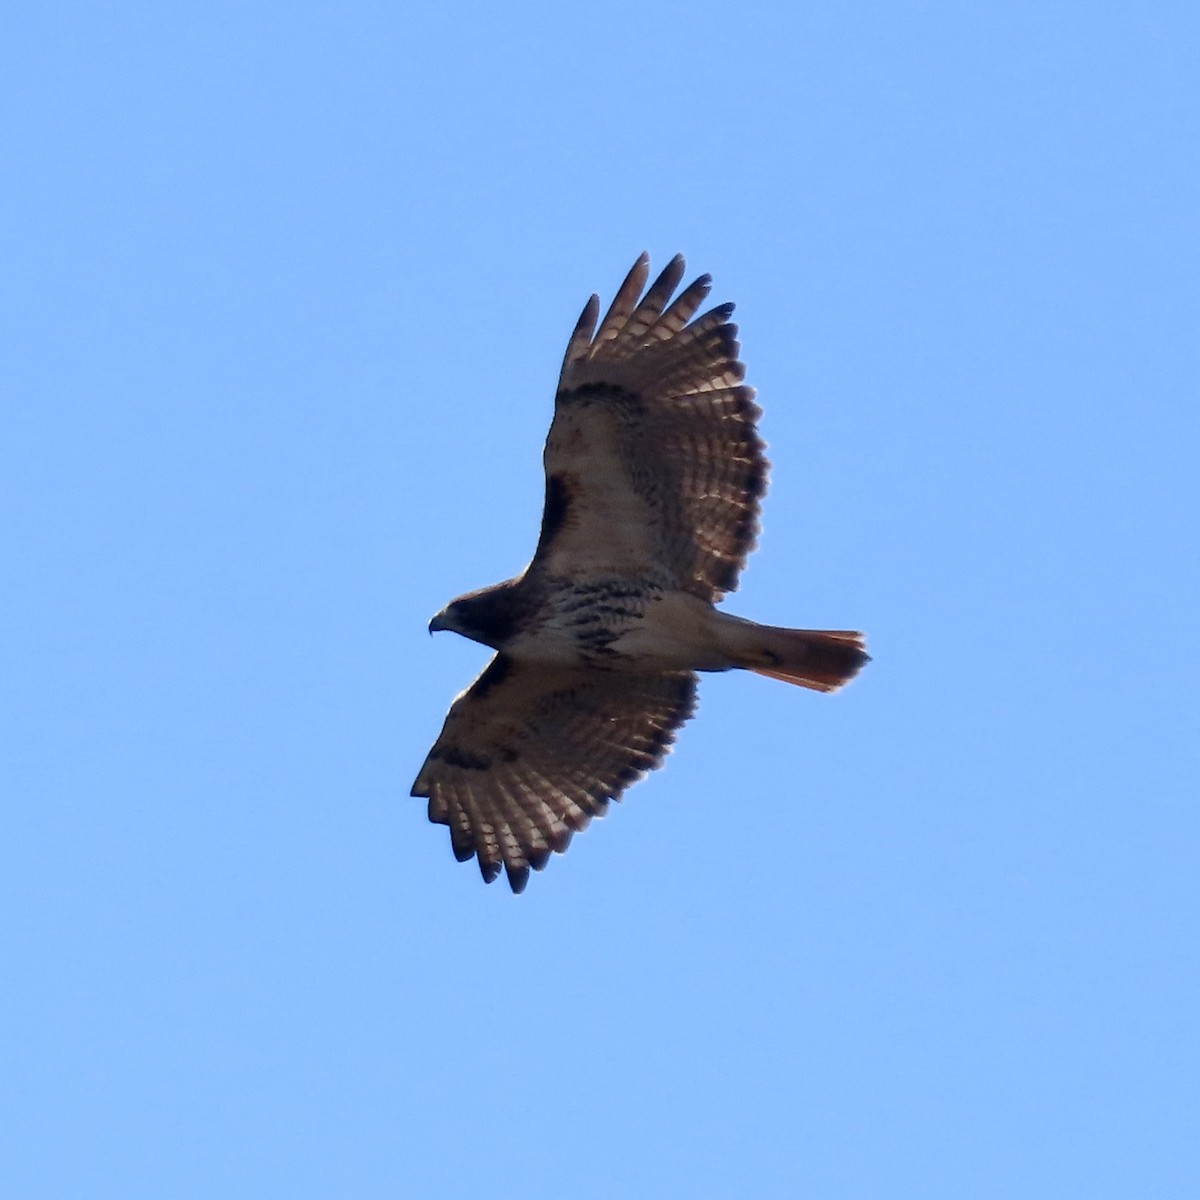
(493, 615)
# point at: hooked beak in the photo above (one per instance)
(437, 624)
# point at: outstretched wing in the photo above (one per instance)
(654, 468)
(528, 755)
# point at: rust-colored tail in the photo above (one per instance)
(821, 659)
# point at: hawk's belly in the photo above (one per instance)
(677, 631)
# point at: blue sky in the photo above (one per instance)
(286, 292)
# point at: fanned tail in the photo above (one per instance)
(821, 659)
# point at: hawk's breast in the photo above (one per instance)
(585, 623)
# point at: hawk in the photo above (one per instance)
(654, 471)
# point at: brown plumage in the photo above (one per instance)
(654, 470)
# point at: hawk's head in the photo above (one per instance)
(490, 616)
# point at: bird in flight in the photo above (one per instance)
(654, 471)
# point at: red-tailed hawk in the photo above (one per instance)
(654, 471)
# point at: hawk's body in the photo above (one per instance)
(654, 471)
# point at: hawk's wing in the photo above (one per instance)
(528, 755)
(654, 468)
